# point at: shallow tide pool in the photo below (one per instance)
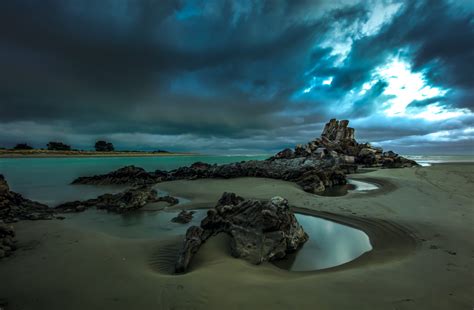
(330, 244)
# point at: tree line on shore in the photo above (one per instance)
(100, 146)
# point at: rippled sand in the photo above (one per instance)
(420, 223)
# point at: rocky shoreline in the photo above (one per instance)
(316, 166)
(14, 207)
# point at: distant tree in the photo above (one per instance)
(104, 146)
(22, 146)
(58, 146)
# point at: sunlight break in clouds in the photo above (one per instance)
(404, 87)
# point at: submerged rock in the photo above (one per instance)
(260, 231)
(129, 200)
(183, 217)
(13, 207)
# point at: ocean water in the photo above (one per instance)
(428, 160)
(47, 180)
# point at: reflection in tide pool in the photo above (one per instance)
(361, 186)
(330, 244)
(139, 224)
(352, 186)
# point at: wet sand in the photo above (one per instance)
(420, 223)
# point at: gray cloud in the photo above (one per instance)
(222, 74)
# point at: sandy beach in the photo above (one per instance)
(420, 223)
(60, 154)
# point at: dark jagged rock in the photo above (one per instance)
(260, 231)
(183, 217)
(311, 174)
(7, 242)
(129, 175)
(338, 141)
(192, 243)
(129, 200)
(314, 175)
(13, 207)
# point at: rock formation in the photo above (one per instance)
(13, 207)
(183, 217)
(260, 231)
(312, 174)
(338, 141)
(7, 242)
(319, 164)
(128, 175)
(126, 201)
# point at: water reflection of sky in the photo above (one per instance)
(330, 244)
(361, 186)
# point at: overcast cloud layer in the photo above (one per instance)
(237, 76)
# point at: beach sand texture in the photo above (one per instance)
(421, 224)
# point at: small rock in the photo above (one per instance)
(183, 217)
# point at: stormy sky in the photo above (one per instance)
(237, 76)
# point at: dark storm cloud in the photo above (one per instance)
(436, 37)
(225, 72)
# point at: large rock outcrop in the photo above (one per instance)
(13, 207)
(338, 141)
(260, 231)
(126, 201)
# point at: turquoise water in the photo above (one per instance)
(47, 180)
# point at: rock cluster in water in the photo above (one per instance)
(126, 201)
(315, 166)
(129, 175)
(338, 141)
(13, 207)
(260, 231)
(311, 174)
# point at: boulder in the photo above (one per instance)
(260, 231)
(14, 207)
